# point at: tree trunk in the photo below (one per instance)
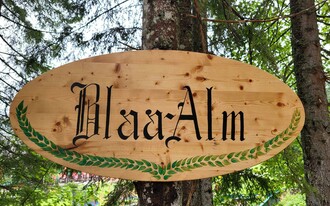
(166, 26)
(311, 90)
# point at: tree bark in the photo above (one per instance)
(166, 26)
(311, 90)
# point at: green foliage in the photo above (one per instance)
(121, 194)
(281, 174)
(74, 193)
(22, 174)
(292, 200)
(266, 45)
(244, 187)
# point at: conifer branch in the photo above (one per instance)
(275, 18)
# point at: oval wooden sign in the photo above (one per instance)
(157, 115)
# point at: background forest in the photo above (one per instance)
(38, 35)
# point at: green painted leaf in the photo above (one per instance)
(168, 166)
(97, 163)
(230, 155)
(274, 146)
(89, 163)
(171, 172)
(28, 134)
(203, 163)
(82, 162)
(174, 164)
(178, 169)
(266, 144)
(251, 156)
(18, 113)
(191, 167)
(207, 158)
(195, 159)
(100, 158)
(139, 162)
(260, 153)
(36, 141)
(122, 165)
(183, 162)
(115, 159)
(21, 124)
(104, 165)
(243, 158)
(147, 170)
(130, 166)
(157, 177)
(24, 110)
(146, 163)
(110, 159)
(285, 131)
(69, 152)
(225, 162)
(161, 171)
(92, 157)
(53, 146)
(214, 157)
(76, 160)
(42, 145)
(61, 150)
(234, 160)
(55, 153)
(196, 165)
(34, 133)
(48, 149)
(124, 159)
(259, 148)
(201, 158)
(166, 177)
(46, 140)
(211, 164)
(20, 105)
(142, 168)
(238, 153)
(245, 152)
(218, 163)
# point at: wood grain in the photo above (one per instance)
(145, 82)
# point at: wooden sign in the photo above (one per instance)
(157, 115)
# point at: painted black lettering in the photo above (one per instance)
(91, 108)
(233, 128)
(135, 125)
(190, 117)
(108, 112)
(209, 113)
(159, 125)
